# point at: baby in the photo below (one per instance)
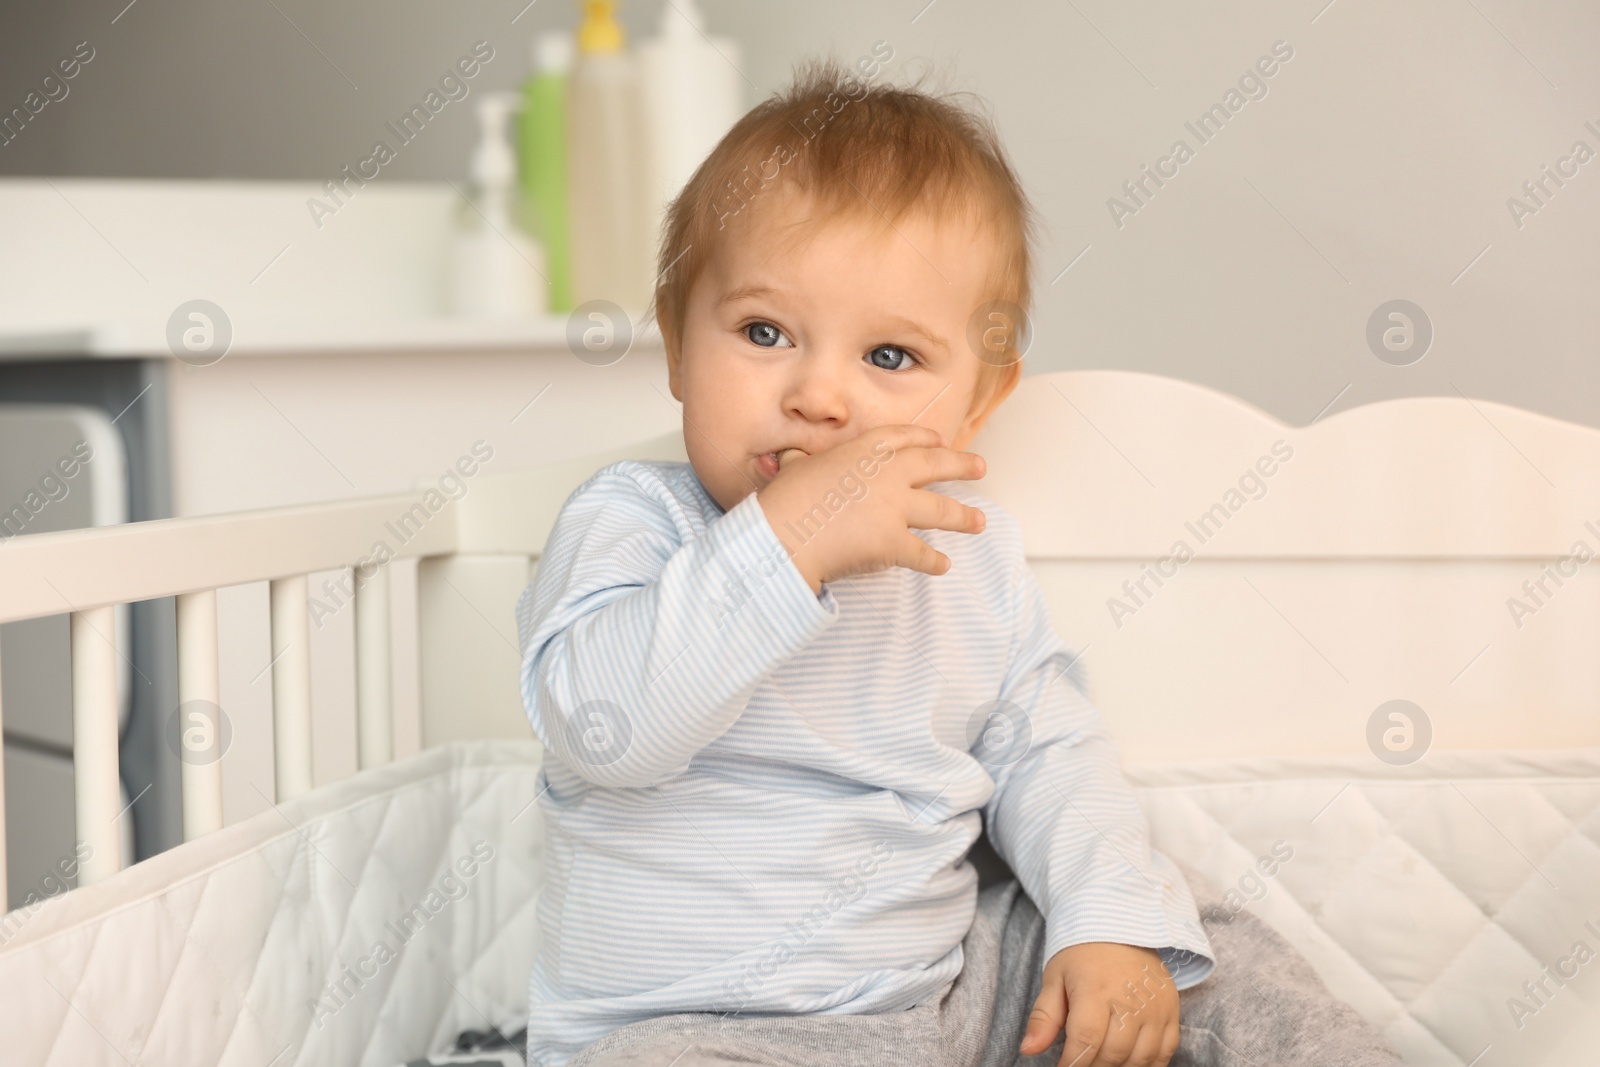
(783, 687)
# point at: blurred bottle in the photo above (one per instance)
(691, 97)
(543, 152)
(609, 240)
(496, 269)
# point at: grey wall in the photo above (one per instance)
(1378, 165)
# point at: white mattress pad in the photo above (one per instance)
(375, 918)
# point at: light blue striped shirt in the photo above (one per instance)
(759, 799)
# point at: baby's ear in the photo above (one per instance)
(674, 357)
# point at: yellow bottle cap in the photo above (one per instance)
(600, 31)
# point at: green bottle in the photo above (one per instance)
(543, 163)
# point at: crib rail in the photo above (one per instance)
(86, 573)
(44, 574)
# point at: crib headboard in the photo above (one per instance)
(1236, 587)
(1424, 549)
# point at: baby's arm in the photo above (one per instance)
(1065, 819)
(640, 648)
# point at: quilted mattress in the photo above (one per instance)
(1454, 902)
(367, 921)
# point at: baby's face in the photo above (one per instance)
(808, 346)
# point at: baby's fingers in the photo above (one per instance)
(1044, 1023)
(913, 553)
(927, 510)
(1087, 1040)
(944, 465)
(1147, 1048)
(1169, 1042)
(933, 511)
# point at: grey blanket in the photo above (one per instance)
(1263, 1006)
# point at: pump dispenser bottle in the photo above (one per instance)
(496, 269)
(691, 93)
(609, 239)
(543, 155)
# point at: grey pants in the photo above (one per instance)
(1263, 1006)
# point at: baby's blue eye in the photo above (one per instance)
(764, 334)
(885, 357)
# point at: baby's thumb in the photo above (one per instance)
(1044, 1022)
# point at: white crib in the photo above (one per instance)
(1249, 598)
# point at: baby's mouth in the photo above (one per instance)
(772, 462)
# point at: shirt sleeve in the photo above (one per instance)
(1064, 817)
(640, 648)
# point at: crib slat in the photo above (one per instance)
(200, 734)
(374, 696)
(291, 687)
(97, 786)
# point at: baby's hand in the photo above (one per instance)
(850, 510)
(1119, 1004)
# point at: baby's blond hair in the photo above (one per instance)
(874, 152)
